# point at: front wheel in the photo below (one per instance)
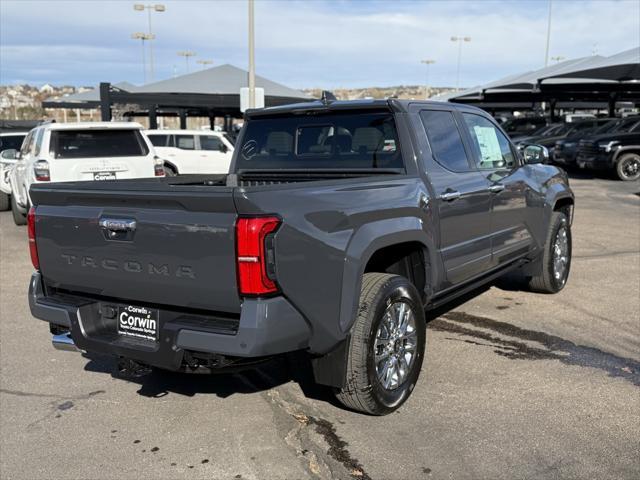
(386, 347)
(628, 167)
(556, 258)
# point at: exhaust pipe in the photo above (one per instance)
(64, 342)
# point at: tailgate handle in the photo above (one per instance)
(118, 229)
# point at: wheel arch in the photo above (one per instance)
(625, 149)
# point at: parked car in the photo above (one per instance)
(578, 117)
(62, 152)
(545, 131)
(566, 150)
(340, 223)
(563, 131)
(8, 141)
(616, 152)
(192, 151)
(524, 125)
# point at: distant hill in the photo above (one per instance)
(401, 91)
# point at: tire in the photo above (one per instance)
(170, 171)
(365, 391)
(5, 203)
(550, 281)
(19, 218)
(628, 167)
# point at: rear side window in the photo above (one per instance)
(445, 140)
(349, 140)
(210, 142)
(185, 142)
(97, 143)
(159, 140)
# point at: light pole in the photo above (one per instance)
(143, 36)
(139, 7)
(252, 58)
(204, 63)
(459, 40)
(546, 51)
(427, 62)
(187, 54)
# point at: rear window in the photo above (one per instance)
(11, 142)
(330, 141)
(159, 140)
(97, 143)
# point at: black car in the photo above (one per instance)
(566, 149)
(524, 126)
(618, 151)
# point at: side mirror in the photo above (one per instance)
(9, 156)
(535, 154)
(223, 148)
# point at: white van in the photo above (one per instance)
(192, 151)
(63, 152)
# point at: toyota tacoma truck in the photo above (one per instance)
(340, 224)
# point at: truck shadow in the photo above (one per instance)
(271, 373)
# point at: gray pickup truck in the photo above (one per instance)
(340, 225)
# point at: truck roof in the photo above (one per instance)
(94, 126)
(400, 105)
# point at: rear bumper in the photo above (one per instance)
(265, 327)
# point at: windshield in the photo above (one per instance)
(627, 125)
(323, 141)
(97, 143)
(11, 142)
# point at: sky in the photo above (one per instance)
(308, 44)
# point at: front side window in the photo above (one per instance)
(492, 148)
(11, 142)
(349, 140)
(210, 142)
(185, 142)
(445, 139)
(97, 143)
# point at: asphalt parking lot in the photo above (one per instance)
(514, 385)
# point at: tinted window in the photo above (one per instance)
(11, 142)
(491, 147)
(324, 141)
(97, 143)
(445, 140)
(26, 145)
(210, 142)
(159, 140)
(185, 142)
(38, 144)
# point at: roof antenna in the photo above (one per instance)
(327, 97)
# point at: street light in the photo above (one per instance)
(186, 54)
(204, 63)
(427, 62)
(139, 7)
(459, 39)
(144, 37)
(252, 58)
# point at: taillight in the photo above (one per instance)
(41, 171)
(256, 262)
(158, 167)
(31, 229)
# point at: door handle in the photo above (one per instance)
(497, 188)
(450, 196)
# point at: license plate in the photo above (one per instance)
(104, 176)
(140, 322)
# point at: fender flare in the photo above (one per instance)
(361, 248)
(622, 150)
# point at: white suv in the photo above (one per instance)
(8, 141)
(62, 152)
(192, 151)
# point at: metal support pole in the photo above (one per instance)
(183, 119)
(212, 121)
(105, 101)
(150, 47)
(153, 118)
(252, 59)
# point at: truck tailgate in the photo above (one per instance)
(163, 246)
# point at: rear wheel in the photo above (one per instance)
(19, 216)
(386, 347)
(170, 170)
(4, 202)
(628, 167)
(556, 258)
